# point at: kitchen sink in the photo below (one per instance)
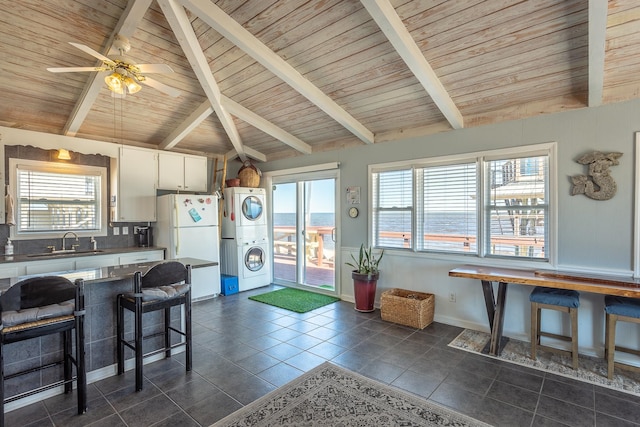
(66, 253)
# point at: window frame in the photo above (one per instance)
(410, 209)
(548, 149)
(53, 167)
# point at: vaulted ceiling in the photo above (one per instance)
(270, 79)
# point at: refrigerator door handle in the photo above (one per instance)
(177, 225)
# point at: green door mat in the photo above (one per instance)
(294, 299)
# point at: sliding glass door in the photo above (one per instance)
(304, 231)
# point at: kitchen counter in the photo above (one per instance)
(106, 274)
(102, 285)
(45, 256)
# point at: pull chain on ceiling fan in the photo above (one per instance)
(125, 75)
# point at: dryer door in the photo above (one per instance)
(254, 261)
(252, 210)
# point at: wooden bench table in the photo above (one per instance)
(495, 305)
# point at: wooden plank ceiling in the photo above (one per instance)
(269, 79)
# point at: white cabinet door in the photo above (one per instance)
(182, 172)
(205, 282)
(195, 173)
(138, 257)
(96, 261)
(12, 270)
(137, 179)
(40, 267)
(171, 171)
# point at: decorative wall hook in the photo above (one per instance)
(598, 184)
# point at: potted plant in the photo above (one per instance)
(365, 277)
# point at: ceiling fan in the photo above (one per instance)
(124, 74)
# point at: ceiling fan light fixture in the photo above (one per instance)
(131, 85)
(114, 82)
(120, 68)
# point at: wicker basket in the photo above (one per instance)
(249, 175)
(409, 308)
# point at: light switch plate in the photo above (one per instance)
(116, 231)
(125, 230)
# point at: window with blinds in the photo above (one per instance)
(53, 198)
(450, 209)
(492, 204)
(392, 208)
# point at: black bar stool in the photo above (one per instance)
(165, 285)
(564, 300)
(624, 310)
(41, 306)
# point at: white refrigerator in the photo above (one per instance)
(187, 226)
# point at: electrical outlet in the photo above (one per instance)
(452, 297)
(116, 231)
(125, 230)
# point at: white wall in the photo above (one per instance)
(592, 235)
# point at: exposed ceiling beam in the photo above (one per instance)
(190, 123)
(266, 126)
(181, 26)
(392, 26)
(244, 114)
(126, 26)
(233, 31)
(597, 38)
(254, 154)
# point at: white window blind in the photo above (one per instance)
(392, 208)
(450, 208)
(485, 204)
(517, 207)
(57, 200)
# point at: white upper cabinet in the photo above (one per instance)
(133, 195)
(195, 173)
(170, 171)
(182, 172)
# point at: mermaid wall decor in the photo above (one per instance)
(598, 183)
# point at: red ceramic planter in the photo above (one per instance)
(364, 290)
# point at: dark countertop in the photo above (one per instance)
(107, 274)
(46, 256)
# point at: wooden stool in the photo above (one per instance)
(625, 310)
(564, 300)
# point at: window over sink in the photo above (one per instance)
(52, 198)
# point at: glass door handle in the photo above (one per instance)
(333, 234)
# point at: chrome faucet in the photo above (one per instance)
(73, 247)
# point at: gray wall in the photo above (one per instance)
(592, 235)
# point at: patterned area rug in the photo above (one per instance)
(590, 369)
(332, 396)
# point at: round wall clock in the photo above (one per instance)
(353, 212)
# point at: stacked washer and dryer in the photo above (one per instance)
(244, 247)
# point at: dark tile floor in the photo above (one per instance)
(244, 349)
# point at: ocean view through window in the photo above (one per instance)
(492, 204)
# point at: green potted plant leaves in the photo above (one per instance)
(365, 277)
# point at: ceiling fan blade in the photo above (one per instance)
(161, 87)
(75, 69)
(91, 52)
(154, 68)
